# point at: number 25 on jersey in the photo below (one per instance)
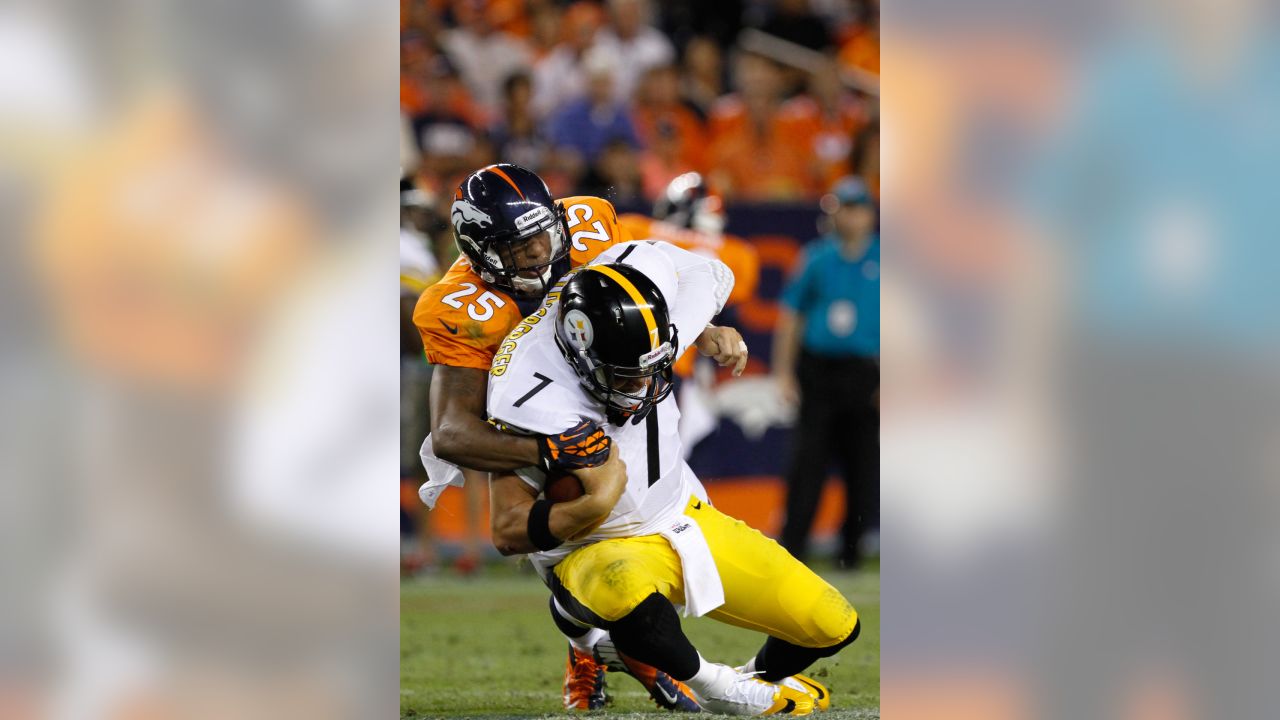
(481, 308)
(579, 215)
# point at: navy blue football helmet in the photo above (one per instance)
(498, 214)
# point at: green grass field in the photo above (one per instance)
(486, 648)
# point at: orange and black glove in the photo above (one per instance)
(582, 446)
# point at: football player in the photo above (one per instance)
(516, 241)
(596, 360)
(689, 215)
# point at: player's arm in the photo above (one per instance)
(790, 328)
(786, 346)
(461, 435)
(520, 523)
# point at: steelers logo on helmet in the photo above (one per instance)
(577, 327)
(614, 328)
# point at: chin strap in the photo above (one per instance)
(530, 285)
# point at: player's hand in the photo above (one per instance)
(584, 445)
(724, 345)
(602, 487)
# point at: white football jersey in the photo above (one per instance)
(533, 388)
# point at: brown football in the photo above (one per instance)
(562, 488)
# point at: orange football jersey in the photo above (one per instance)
(463, 320)
(738, 254)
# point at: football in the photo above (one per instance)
(562, 488)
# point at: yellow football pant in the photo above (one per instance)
(765, 588)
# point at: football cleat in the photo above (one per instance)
(583, 682)
(749, 695)
(820, 694)
(668, 692)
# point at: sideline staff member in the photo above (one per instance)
(830, 319)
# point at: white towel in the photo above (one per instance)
(703, 591)
(440, 475)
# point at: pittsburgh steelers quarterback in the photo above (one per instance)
(516, 241)
(643, 536)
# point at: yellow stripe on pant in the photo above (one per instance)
(765, 588)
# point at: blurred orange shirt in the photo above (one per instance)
(832, 135)
(690, 135)
(773, 162)
(415, 100)
(160, 251)
(861, 52)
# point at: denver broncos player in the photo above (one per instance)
(601, 350)
(689, 216)
(516, 242)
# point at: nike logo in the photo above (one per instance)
(671, 698)
(816, 689)
(453, 329)
(697, 505)
(791, 705)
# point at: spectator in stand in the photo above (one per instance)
(484, 55)
(830, 319)
(444, 121)
(517, 136)
(544, 31)
(794, 21)
(430, 92)
(615, 175)
(581, 129)
(634, 43)
(510, 17)
(673, 134)
(661, 161)
(449, 152)
(759, 149)
(837, 115)
(702, 82)
(560, 77)
(865, 157)
(860, 47)
(418, 19)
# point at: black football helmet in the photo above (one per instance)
(495, 210)
(613, 327)
(687, 203)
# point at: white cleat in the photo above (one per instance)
(749, 695)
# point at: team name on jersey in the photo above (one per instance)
(508, 346)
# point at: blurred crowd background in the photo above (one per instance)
(1080, 357)
(771, 100)
(771, 103)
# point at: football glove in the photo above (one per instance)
(584, 445)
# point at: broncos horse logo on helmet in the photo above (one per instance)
(465, 212)
(500, 215)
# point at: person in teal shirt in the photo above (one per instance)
(826, 357)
